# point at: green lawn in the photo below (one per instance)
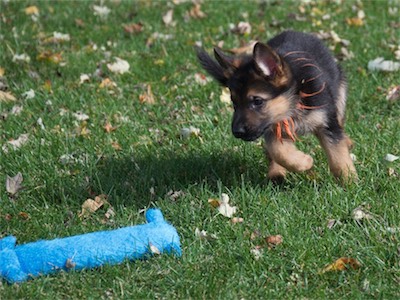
(140, 156)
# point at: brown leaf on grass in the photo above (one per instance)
(23, 215)
(90, 206)
(393, 94)
(273, 241)
(79, 23)
(108, 127)
(82, 130)
(341, 264)
(355, 21)
(107, 83)
(2, 71)
(6, 97)
(133, 28)
(148, 96)
(50, 56)
(195, 12)
(32, 10)
(14, 184)
(116, 146)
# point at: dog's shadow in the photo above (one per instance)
(142, 179)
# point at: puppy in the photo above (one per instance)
(289, 87)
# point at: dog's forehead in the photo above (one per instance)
(241, 80)
(247, 84)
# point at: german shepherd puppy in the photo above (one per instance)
(288, 87)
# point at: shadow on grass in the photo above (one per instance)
(149, 177)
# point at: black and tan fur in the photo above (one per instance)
(288, 87)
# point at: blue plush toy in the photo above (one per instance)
(19, 263)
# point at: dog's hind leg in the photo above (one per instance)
(338, 152)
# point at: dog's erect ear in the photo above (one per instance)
(225, 61)
(221, 70)
(269, 64)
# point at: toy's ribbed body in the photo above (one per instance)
(18, 263)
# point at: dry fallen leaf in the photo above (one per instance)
(29, 94)
(107, 83)
(332, 223)
(195, 12)
(199, 78)
(380, 64)
(393, 94)
(84, 78)
(356, 21)
(360, 213)
(243, 28)
(24, 215)
(69, 264)
(392, 172)
(236, 220)
(168, 18)
(225, 96)
(116, 146)
(257, 252)
(187, 132)
(174, 195)
(223, 205)
(154, 249)
(49, 56)
(14, 184)
(120, 66)
(273, 241)
(101, 11)
(108, 127)
(19, 142)
(21, 58)
(203, 235)
(133, 28)
(341, 264)
(80, 116)
(90, 206)
(32, 10)
(148, 96)
(391, 158)
(6, 97)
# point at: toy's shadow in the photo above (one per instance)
(148, 177)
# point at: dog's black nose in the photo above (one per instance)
(239, 131)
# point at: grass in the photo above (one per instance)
(153, 159)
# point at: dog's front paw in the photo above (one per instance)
(305, 163)
(298, 162)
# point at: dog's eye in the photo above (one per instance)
(257, 101)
